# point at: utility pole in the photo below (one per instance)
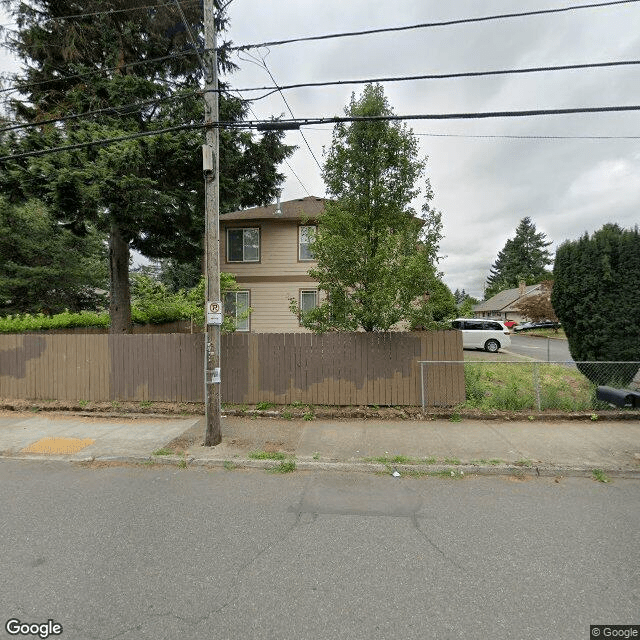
(211, 170)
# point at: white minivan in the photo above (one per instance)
(479, 333)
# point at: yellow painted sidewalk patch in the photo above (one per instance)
(58, 446)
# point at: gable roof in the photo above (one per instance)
(302, 208)
(504, 300)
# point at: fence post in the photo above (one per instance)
(536, 382)
(422, 383)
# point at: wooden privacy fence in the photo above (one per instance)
(332, 369)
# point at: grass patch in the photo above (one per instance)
(229, 466)
(263, 406)
(267, 455)
(524, 462)
(392, 460)
(512, 387)
(452, 461)
(287, 466)
(600, 475)
(164, 452)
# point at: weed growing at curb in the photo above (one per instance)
(163, 452)
(263, 406)
(316, 456)
(452, 461)
(267, 455)
(83, 403)
(229, 466)
(600, 475)
(182, 464)
(284, 467)
(524, 462)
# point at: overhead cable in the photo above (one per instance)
(266, 125)
(427, 25)
(446, 76)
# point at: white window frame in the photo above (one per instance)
(300, 295)
(301, 244)
(244, 229)
(242, 324)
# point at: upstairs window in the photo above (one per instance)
(243, 245)
(306, 234)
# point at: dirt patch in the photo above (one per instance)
(182, 409)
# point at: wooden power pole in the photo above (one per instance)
(211, 170)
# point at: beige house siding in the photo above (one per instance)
(270, 304)
(276, 279)
(278, 250)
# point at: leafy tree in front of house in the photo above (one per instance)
(376, 258)
(144, 194)
(524, 257)
(595, 295)
(44, 267)
(537, 306)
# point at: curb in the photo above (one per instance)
(355, 466)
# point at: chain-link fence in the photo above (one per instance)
(524, 385)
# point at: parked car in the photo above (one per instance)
(545, 324)
(477, 333)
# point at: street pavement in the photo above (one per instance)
(536, 447)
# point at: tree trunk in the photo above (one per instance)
(120, 300)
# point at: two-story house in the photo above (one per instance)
(267, 249)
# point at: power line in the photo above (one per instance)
(96, 71)
(285, 160)
(525, 137)
(266, 68)
(93, 14)
(265, 125)
(132, 107)
(427, 25)
(295, 123)
(102, 141)
(445, 76)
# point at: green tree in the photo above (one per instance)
(44, 267)
(146, 194)
(524, 257)
(595, 297)
(376, 258)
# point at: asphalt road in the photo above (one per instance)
(153, 552)
(547, 350)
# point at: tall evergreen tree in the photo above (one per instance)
(45, 268)
(595, 297)
(524, 257)
(146, 194)
(376, 259)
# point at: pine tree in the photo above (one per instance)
(524, 257)
(145, 194)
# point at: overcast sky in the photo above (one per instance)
(483, 185)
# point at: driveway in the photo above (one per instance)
(546, 350)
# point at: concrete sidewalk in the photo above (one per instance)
(470, 446)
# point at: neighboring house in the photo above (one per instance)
(267, 249)
(503, 306)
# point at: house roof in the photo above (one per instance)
(310, 207)
(504, 300)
